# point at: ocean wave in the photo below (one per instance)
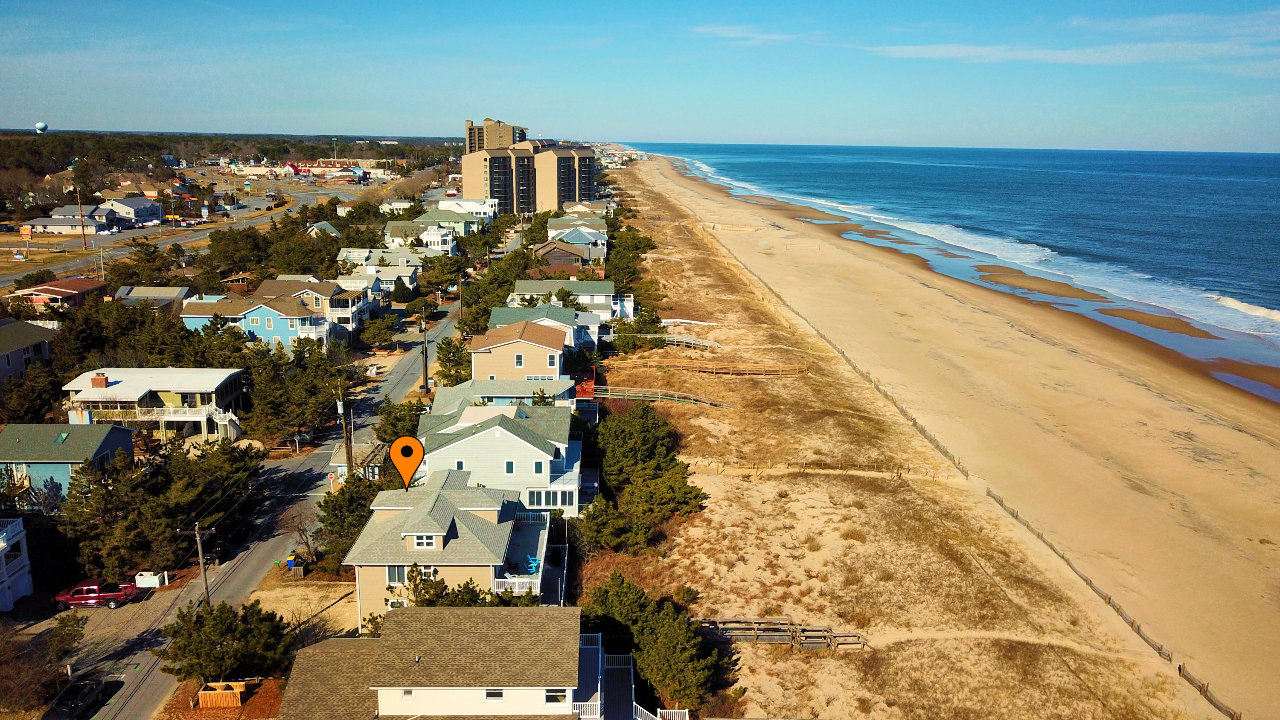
(1186, 300)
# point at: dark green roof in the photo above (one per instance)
(71, 444)
(16, 334)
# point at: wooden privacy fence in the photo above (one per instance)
(614, 391)
(1161, 650)
(706, 366)
(781, 631)
(220, 695)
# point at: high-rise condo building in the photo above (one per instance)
(530, 176)
(493, 135)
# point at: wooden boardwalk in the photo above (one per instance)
(614, 391)
(683, 340)
(781, 631)
(708, 366)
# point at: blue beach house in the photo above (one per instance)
(35, 454)
(277, 320)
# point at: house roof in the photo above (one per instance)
(333, 679)
(581, 236)
(439, 505)
(324, 226)
(577, 287)
(449, 399)
(500, 316)
(288, 288)
(594, 223)
(55, 443)
(299, 278)
(152, 292)
(137, 203)
(405, 228)
(559, 244)
(369, 256)
(285, 306)
(445, 216)
(88, 221)
(131, 384)
(69, 286)
(525, 331)
(541, 427)
(16, 334)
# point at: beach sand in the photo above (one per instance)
(1160, 483)
(1160, 322)
(1012, 277)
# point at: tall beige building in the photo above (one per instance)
(493, 134)
(530, 176)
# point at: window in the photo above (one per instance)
(551, 360)
(519, 360)
(458, 465)
(566, 498)
(254, 321)
(269, 321)
(406, 693)
(424, 542)
(493, 695)
(393, 603)
(293, 324)
(537, 467)
(535, 498)
(557, 695)
(511, 467)
(315, 301)
(397, 574)
(493, 377)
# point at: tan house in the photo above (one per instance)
(521, 663)
(453, 532)
(523, 351)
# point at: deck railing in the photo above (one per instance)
(587, 709)
(617, 661)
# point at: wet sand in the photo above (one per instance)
(1014, 278)
(1160, 322)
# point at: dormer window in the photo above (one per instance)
(424, 542)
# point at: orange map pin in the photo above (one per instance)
(406, 453)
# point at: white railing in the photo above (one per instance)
(519, 586)
(12, 527)
(639, 713)
(673, 715)
(221, 417)
(617, 661)
(587, 709)
(533, 517)
(589, 640)
(15, 563)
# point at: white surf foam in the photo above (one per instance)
(1189, 301)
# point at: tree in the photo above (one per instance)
(668, 653)
(379, 332)
(401, 292)
(423, 306)
(542, 399)
(32, 279)
(214, 644)
(454, 360)
(634, 441)
(422, 590)
(343, 515)
(397, 419)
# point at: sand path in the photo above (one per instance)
(893, 637)
(1162, 485)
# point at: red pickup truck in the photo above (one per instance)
(96, 593)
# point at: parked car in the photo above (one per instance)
(76, 702)
(96, 593)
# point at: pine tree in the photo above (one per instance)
(218, 643)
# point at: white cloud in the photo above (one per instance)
(1118, 54)
(742, 34)
(1260, 26)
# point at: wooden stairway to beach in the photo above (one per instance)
(707, 366)
(781, 631)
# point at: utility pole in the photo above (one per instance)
(346, 430)
(200, 553)
(84, 242)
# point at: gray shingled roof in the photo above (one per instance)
(577, 287)
(511, 315)
(16, 334)
(435, 507)
(435, 647)
(40, 443)
(463, 394)
(540, 427)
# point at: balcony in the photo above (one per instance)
(526, 554)
(168, 414)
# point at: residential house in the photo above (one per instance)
(580, 328)
(100, 213)
(301, 278)
(15, 566)
(525, 448)
(464, 663)
(136, 209)
(67, 292)
(434, 239)
(557, 252)
(485, 209)
(344, 209)
(557, 226)
(22, 343)
(454, 532)
(323, 226)
(345, 309)
(282, 320)
(572, 272)
(523, 351)
(377, 269)
(241, 283)
(168, 299)
(460, 223)
(594, 207)
(594, 244)
(189, 400)
(502, 393)
(40, 455)
(66, 226)
(366, 457)
(395, 206)
(596, 295)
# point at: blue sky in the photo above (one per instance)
(1133, 75)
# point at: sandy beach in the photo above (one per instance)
(1160, 483)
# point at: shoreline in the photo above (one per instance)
(1157, 478)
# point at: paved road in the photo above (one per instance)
(300, 480)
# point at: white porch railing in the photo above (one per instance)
(533, 517)
(168, 414)
(617, 661)
(639, 713)
(673, 715)
(519, 586)
(587, 709)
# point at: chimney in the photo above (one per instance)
(99, 380)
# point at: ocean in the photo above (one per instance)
(1188, 235)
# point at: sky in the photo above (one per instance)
(1166, 75)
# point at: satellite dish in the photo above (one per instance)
(41, 127)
